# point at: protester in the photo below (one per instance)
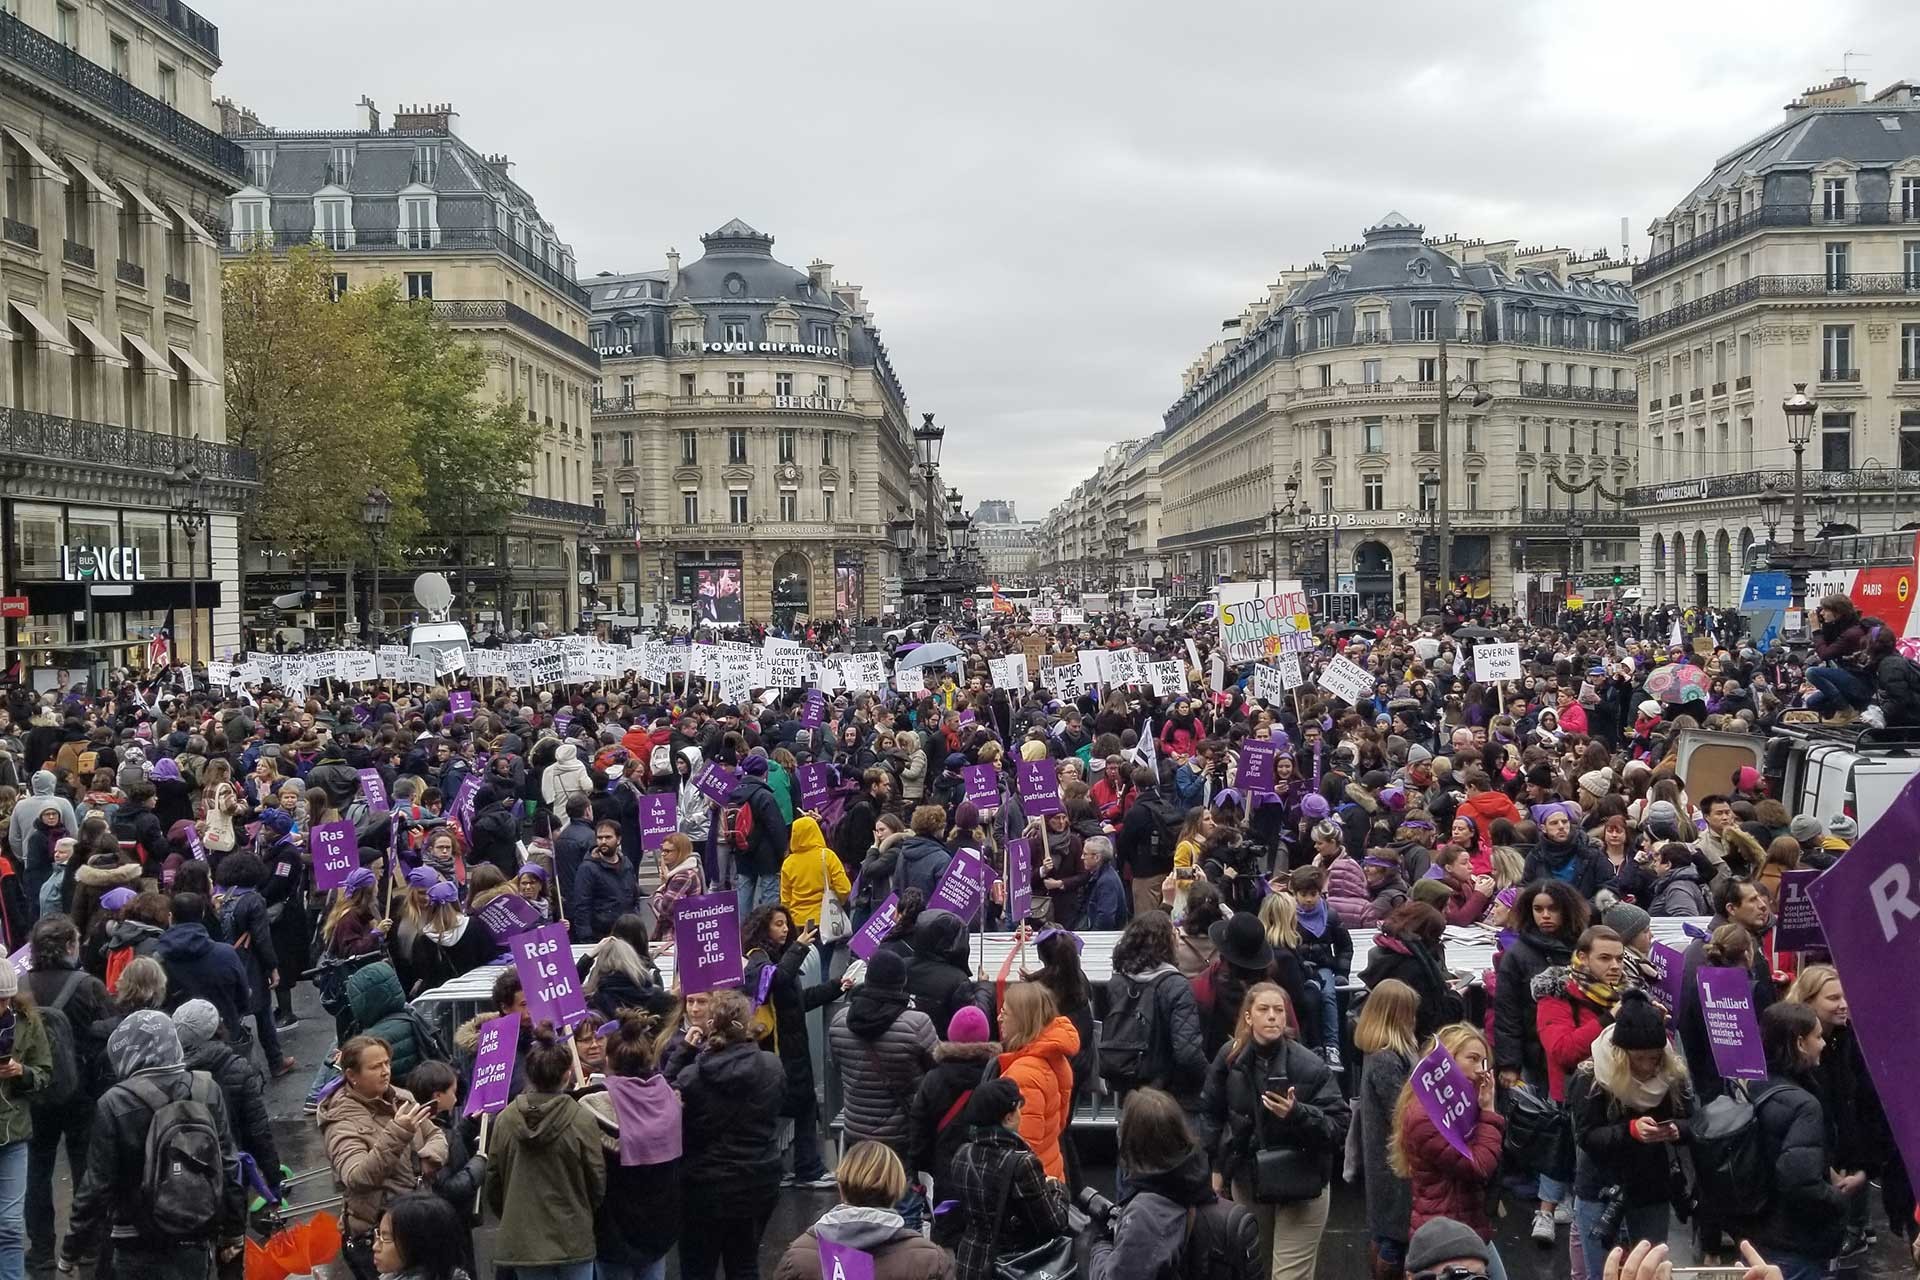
(1037, 1048)
(1387, 1034)
(546, 1175)
(1169, 1210)
(1409, 948)
(203, 1047)
(884, 1048)
(1153, 1032)
(1805, 1219)
(1446, 1183)
(420, 1237)
(871, 1181)
(1007, 1200)
(379, 1142)
(775, 952)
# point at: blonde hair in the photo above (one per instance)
(1028, 1008)
(1282, 920)
(1455, 1039)
(142, 985)
(870, 1175)
(1509, 867)
(1810, 981)
(1387, 1019)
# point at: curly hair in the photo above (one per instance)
(757, 933)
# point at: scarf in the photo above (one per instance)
(1314, 921)
(1611, 1072)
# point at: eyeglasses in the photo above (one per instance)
(1451, 1273)
(381, 1234)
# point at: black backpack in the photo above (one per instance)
(183, 1177)
(1128, 1039)
(64, 1080)
(1730, 1166)
(1215, 1247)
(1163, 833)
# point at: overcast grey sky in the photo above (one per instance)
(1052, 205)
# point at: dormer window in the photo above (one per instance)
(251, 218)
(419, 217)
(333, 218)
(1833, 199)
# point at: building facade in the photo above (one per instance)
(1009, 546)
(1305, 442)
(118, 488)
(1107, 531)
(1795, 260)
(414, 202)
(753, 454)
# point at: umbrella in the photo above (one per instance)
(1355, 629)
(1473, 632)
(1678, 682)
(929, 655)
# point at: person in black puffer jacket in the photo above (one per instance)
(1896, 679)
(244, 918)
(758, 865)
(496, 833)
(333, 775)
(775, 952)
(934, 1126)
(884, 1047)
(1551, 916)
(1806, 1215)
(939, 978)
(198, 1025)
(1143, 959)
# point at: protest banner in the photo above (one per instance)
(982, 784)
(815, 710)
(1671, 967)
(460, 703)
(1255, 616)
(336, 852)
(1493, 662)
(493, 1055)
(815, 782)
(1343, 679)
(1290, 674)
(1267, 684)
(1043, 617)
(373, 789)
(706, 942)
(462, 806)
(868, 937)
(843, 1261)
(1039, 782)
(1169, 679)
(659, 817)
(544, 960)
(1797, 927)
(1019, 880)
(962, 888)
(1733, 1032)
(1256, 764)
(1449, 1096)
(715, 781)
(507, 915)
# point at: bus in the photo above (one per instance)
(1879, 572)
(1013, 599)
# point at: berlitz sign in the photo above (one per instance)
(826, 403)
(769, 349)
(101, 564)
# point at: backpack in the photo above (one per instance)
(1163, 831)
(1730, 1166)
(1128, 1040)
(742, 832)
(64, 1080)
(428, 1043)
(1213, 1248)
(183, 1177)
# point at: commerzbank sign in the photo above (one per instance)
(1680, 492)
(770, 349)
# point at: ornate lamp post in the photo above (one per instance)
(1477, 396)
(1799, 409)
(1275, 518)
(376, 513)
(186, 493)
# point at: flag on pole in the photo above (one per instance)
(1145, 751)
(160, 645)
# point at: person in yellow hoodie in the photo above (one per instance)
(809, 871)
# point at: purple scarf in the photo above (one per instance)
(649, 1113)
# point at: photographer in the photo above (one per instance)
(1169, 1214)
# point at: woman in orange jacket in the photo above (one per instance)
(1039, 1047)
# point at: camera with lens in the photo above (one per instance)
(1098, 1208)
(1613, 1213)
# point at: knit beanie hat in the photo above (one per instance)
(1435, 893)
(1638, 1024)
(1663, 819)
(197, 1021)
(1626, 920)
(1443, 1240)
(968, 1026)
(1597, 782)
(1805, 828)
(886, 969)
(993, 1101)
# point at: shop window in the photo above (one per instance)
(36, 541)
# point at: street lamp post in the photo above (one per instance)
(1426, 563)
(1479, 397)
(376, 513)
(1799, 409)
(1274, 519)
(186, 488)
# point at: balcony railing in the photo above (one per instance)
(1674, 400)
(185, 22)
(1719, 389)
(1606, 517)
(1697, 394)
(1859, 285)
(566, 512)
(21, 233)
(1910, 373)
(1587, 395)
(1742, 484)
(1743, 383)
(66, 440)
(1839, 375)
(78, 255)
(179, 290)
(500, 310)
(406, 240)
(42, 54)
(1887, 213)
(130, 273)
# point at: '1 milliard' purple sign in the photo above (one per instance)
(866, 940)
(1451, 1099)
(544, 960)
(715, 781)
(1726, 1005)
(1039, 787)
(493, 1065)
(1798, 928)
(335, 854)
(962, 888)
(706, 942)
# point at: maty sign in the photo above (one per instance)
(1343, 679)
(1496, 662)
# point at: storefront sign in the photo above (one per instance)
(1361, 520)
(1680, 492)
(15, 607)
(769, 349)
(101, 564)
(826, 404)
(614, 351)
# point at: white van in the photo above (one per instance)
(1815, 769)
(1138, 602)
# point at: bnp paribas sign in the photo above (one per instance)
(101, 564)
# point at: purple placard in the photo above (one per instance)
(1870, 910)
(983, 784)
(966, 718)
(1799, 927)
(462, 808)
(562, 723)
(1451, 1098)
(544, 960)
(659, 817)
(816, 785)
(1039, 787)
(1672, 968)
(335, 854)
(868, 937)
(844, 1262)
(506, 916)
(1019, 879)
(715, 781)
(1726, 1005)
(1256, 765)
(194, 844)
(373, 789)
(22, 961)
(460, 703)
(493, 1065)
(962, 888)
(816, 709)
(706, 942)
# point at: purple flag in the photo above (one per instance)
(544, 959)
(460, 703)
(1726, 1004)
(1672, 967)
(1256, 765)
(962, 888)
(816, 709)
(868, 937)
(1451, 1098)
(983, 784)
(1019, 879)
(493, 1065)
(966, 718)
(563, 722)
(715, 781)
(1798, 928)
(373, 789)
(706, 942)
(844, 1262)
(1039, 787)
(462, 807)
(816, 784)
(659, 816)
(194, 844)
(336, 853)
(506, 916)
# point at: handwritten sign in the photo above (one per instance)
(1343, 679)
(706, 942)
(1493, 662)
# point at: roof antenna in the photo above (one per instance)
(1845, 68)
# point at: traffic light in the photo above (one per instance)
(1618, 577)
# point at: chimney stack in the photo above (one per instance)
(673, 271)
(438, 117)
(366, 115)
(820, 274)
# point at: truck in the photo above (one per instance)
(1816, 769)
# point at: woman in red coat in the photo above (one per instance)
(1573, 1004)
(1445, 1183)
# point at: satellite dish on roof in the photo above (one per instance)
(433, 593)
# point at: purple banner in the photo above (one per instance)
(844, 1262)
(1039, 787)
(194, 844)
(816, 785)
(1019, 879)
(1256, 765)
(962, 888)
(706, 942)
(659, 817)
(544, 960)
(1726, 1005)
(1672, 968)
(868, 937)
(1451, 1098)
(507, 916)
(462, 807)
(983, 785)
(715, 781)
(336, 852)
(1798, 927)
(563, 722)
(373, 789)
(493, 1065)
(460, 703)
(816, 709)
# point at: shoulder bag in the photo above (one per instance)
(834, 924)
(1050, 1260)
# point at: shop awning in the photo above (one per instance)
(194, 229)
(104, 348)
(100, 186)
(151, 361)
(197, 371)
(145, 201)
(50, 167)
(46, 332)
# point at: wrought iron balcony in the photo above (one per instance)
(1588, 395)
(195, 29)
(1743, 383)
(1561, 517)
(1674, 400)
(502, 311)
(1743, 484)
(406, 240)
(1885, 213)
(21, 233)
(1697, 394)
(78, 255)
(179, 290)
(1909, 373)
(1858, 285)
(130, 273)
(566, 512)
(1719, 389)
(1839, 375)
(23, 46)
(25, 434)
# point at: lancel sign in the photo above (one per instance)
(101, 564)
